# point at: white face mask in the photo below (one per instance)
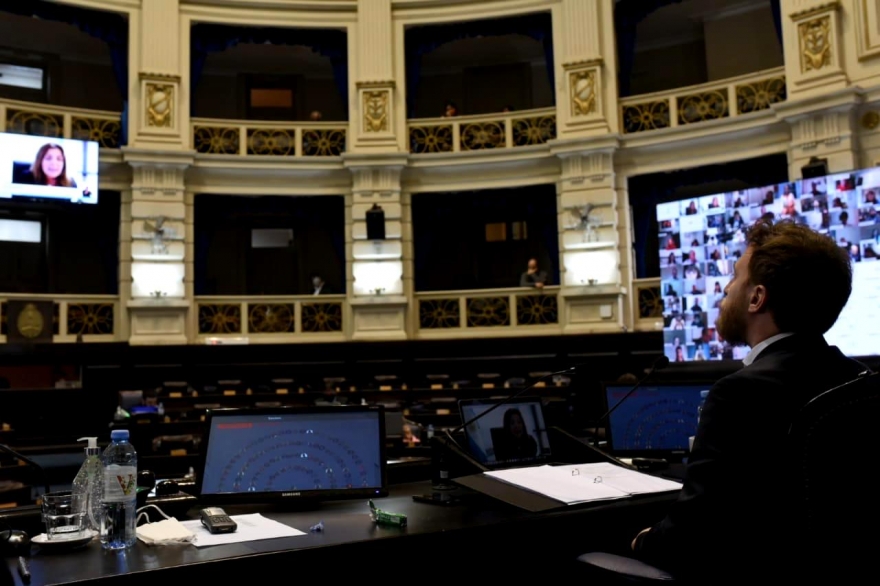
(164, 532)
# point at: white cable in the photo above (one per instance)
(142, 513)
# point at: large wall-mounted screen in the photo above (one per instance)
(701, 239)
(40, 167)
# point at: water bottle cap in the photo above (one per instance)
(119, 434)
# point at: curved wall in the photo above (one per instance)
(823, 102)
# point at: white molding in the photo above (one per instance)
(412, 12)
(241, 15)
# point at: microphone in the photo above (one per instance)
(509, 399)
(29, 462)
(659, 364)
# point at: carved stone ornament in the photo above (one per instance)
(376, 111)
(160, 105)
(815, 43)
(583, 92)
(30, 321)
(871, 119)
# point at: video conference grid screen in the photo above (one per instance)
(510, 434)
(701, 239)
(253, 453)
(48, 168)
(658, 418)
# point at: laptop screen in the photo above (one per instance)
(512, 434)
(255, 455)
(653, 420)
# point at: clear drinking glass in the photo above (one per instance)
(61, 519)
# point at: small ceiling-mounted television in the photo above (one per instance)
(48, 168)
(293, 453)
(702, 237)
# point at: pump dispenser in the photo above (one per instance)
(88, 486)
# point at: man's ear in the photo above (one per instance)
(758, 299)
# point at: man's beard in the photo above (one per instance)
(731, 324)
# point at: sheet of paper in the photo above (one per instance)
(250, 528)
(620, 478)
(582, 483)
(554, 484)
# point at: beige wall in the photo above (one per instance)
(740, 44)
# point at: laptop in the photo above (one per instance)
(656, 421)
(512, 435)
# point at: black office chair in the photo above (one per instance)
(832, 442)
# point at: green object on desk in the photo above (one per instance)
(385, 518)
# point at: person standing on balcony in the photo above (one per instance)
(533, 277)
(451, 110)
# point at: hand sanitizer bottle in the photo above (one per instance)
(88, 486)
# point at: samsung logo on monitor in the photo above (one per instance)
(290, 494)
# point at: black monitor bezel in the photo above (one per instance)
(666, 454)
(504, 402)
(301, 495)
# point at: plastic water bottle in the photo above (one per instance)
(120, 492)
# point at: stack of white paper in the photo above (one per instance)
(250, 528)
(582, 483)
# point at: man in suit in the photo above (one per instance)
(730, 521)
(533, 277)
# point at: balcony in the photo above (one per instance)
(728, 98)
(271, 319)
(91, 316)
(105, 128)
(497, 309)
(482, 132)
(279, 139)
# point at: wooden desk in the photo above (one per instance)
(440, 541)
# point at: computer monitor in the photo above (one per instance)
(655, 421)
(287, 453)
(513, 434)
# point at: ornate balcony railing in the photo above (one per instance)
(92, 316)
(700, 103)
(495, 308)
(279, 139)
(485, 131)
(269, 317)
(60, 122)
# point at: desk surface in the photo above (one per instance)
(351, 542)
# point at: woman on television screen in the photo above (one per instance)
(49, 168)
(515, 442)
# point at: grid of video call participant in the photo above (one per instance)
(702, 238)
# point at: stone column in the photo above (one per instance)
(812, 44)
(376, 291)
(373, 112)
(586, 83)
(155, 293)
(591, 243)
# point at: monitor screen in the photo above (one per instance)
(701, 238)
(40, 167)
(324, 453)
(511, 434)
(654, 419)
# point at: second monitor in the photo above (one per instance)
(655, 421)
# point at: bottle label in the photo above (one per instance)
(120, 483)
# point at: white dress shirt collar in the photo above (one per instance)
(753, 354)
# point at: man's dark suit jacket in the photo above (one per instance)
(730, 519)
